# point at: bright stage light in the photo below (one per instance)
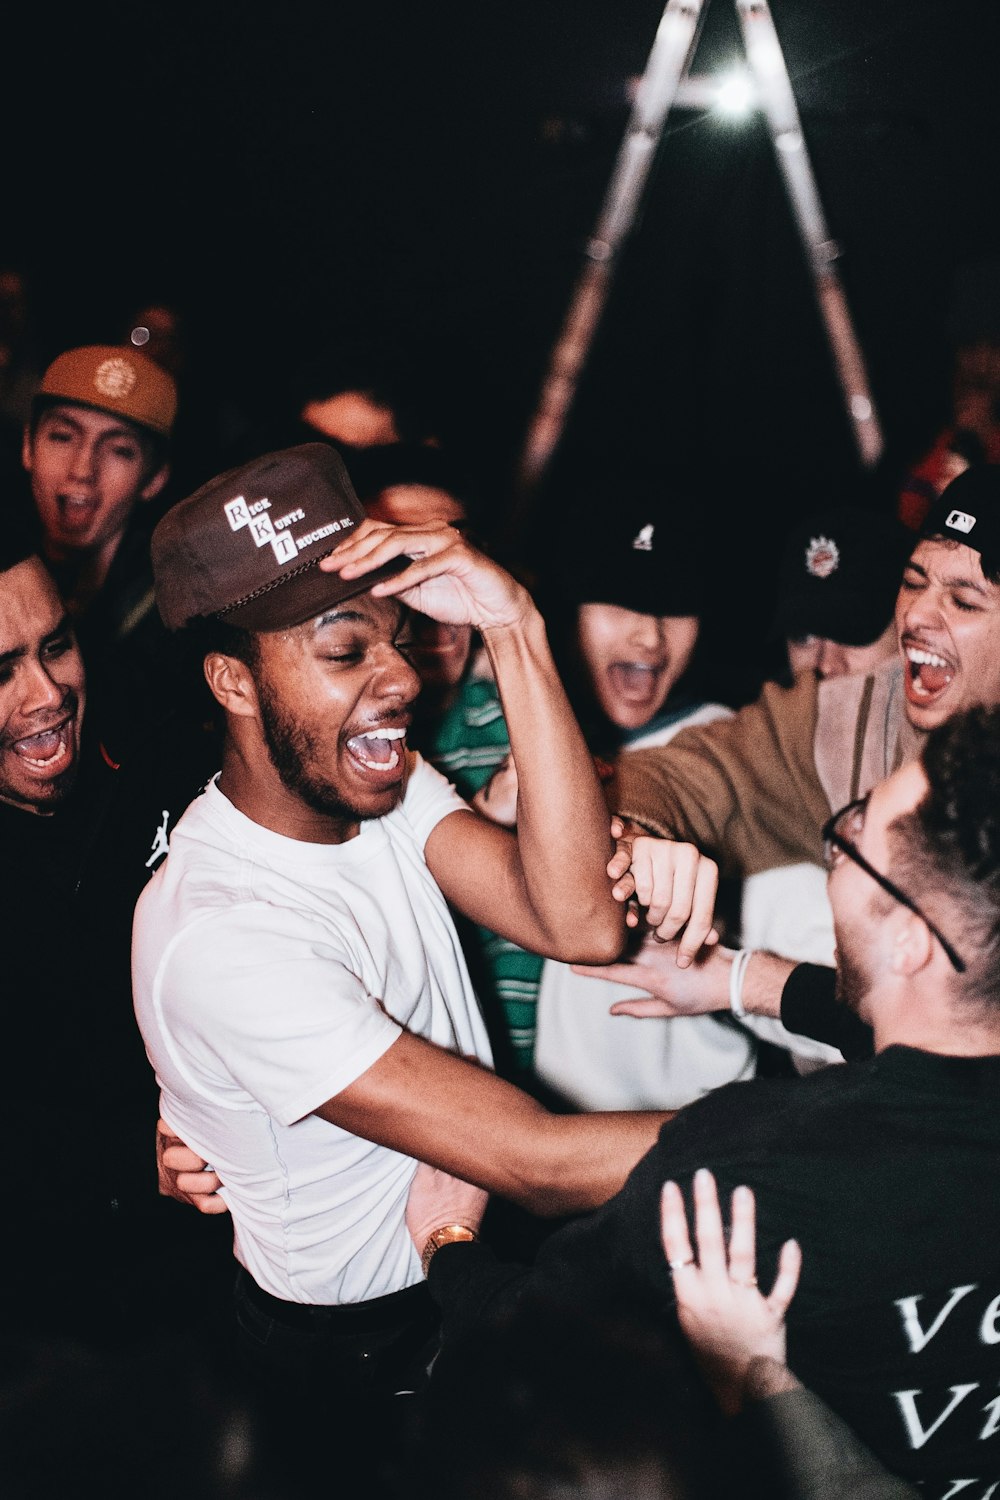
(736, 94)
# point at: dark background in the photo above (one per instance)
(301, 175)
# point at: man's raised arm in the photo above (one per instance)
(546, 888)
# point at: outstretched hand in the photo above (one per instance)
(447, 579)
(727, 1320)
(672, 989)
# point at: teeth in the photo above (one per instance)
(41, 762)
(384, 736)
(924, 658)
(379, 765)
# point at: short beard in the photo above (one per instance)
(853, 983)
(290, 747)
(58, 791)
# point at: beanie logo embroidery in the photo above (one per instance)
(822, 557)
(115, 378)
(959, 520)
(643, 539)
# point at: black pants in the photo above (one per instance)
(336, 1383)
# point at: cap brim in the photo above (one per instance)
(53, 398)
(291, 601)
(844, 619)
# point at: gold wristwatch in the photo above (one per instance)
(448, 1234)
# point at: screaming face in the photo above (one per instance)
(334, 698)
(633, 660)
(88, 469)
(41, 691)
(948, 628)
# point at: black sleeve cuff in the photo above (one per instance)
(809, 1006)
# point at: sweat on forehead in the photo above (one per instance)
(362, 609)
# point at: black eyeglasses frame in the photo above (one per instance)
(832, 839)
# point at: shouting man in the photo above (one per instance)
(298, 979)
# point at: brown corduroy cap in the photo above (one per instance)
(247, 545)
(114, 379)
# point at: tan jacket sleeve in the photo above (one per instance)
(743, 789)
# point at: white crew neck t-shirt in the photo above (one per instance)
(268, 975)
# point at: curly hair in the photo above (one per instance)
(947, 849)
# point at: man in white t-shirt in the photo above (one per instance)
(298, 980)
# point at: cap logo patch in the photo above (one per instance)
(115, 378)
(822, 557)
(242, 513)
(237, 513)
(959, 520)
(643, 539)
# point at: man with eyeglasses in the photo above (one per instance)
(882, 1169)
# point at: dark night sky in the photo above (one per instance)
(304, 173)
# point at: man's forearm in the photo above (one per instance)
(421, 1100)
(763, 983)
(803, 997)
(744, 789)
(809, 1450)
(582, 1160)
(562, 819)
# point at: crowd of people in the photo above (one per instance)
(441, 1010)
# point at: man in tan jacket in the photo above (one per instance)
(755, 790)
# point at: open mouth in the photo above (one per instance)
(635, 682)
(46, 753)
(928, 675)
(380, 750)
(77, 511)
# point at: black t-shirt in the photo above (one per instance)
(884, 1170)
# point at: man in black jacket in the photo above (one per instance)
(83, 822)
